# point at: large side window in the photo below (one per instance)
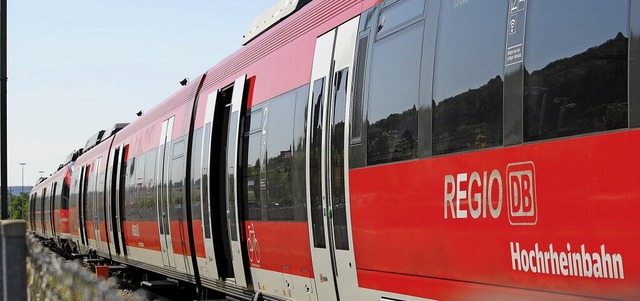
(468, 76)
(576, 67)
(148, 195)
(90, 196)
(393, 97)
(176, 184)
(136, 182)
(274, 175)
(279, 156)
(298, 172)
(253, 180)
(196, 182)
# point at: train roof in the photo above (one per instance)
(271, 17)
(102, 135)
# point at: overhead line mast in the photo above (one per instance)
(3, 108)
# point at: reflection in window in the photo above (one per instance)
(576, 68)
(279, 157)
(399, 14)
(468, 76)
(206, 173)
(147, 200)
(393, 96)
(89, 199)
(176, 189)
(298, 172)
(252, 182)
(274, 174)
(196, 176)
(232, 143)
(338, 198)
(315, 171)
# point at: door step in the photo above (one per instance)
(159, 284)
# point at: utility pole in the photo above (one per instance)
(22, 187)
(4, 198)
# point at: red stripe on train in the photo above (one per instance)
(448, 218)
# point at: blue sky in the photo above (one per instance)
(75, 67)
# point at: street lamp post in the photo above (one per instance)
(22, 187)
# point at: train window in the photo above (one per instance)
(298, 169)
(196, 176)
(123, 192)
(279, 155)
(253, 181)
(206, 174)
(358, 90)
(231, 184)
(131, 181)
(176, 189)
(315, 171)
(392, 117)
(90, 197)
(65, 191)
(100, 209)
(468, 76)
(576, 68)
(398, 14)
(133, 190)
(338, 198)
(255, 122)
(148, 186)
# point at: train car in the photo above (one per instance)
(87, 193)
(49, 205)
(36, 209)
(388, 150)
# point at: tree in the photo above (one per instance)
(19, 206)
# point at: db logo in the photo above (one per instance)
(521, 186)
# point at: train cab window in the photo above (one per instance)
(468, 76)
(575, 79)
(393, 91)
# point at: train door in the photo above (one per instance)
(206, 170)
(112, 205)
(52, 211)
(163, 198)
(97, 201)
(326, 169)
(121, 191)
(82, 207)
(32, 211)
(43, 213)
(234, 216)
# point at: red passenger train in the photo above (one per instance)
(385, 150)
(49, 205)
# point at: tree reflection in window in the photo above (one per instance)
(393, 96)
(467, 89)
(576, 74)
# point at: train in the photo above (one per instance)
(397, 150)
